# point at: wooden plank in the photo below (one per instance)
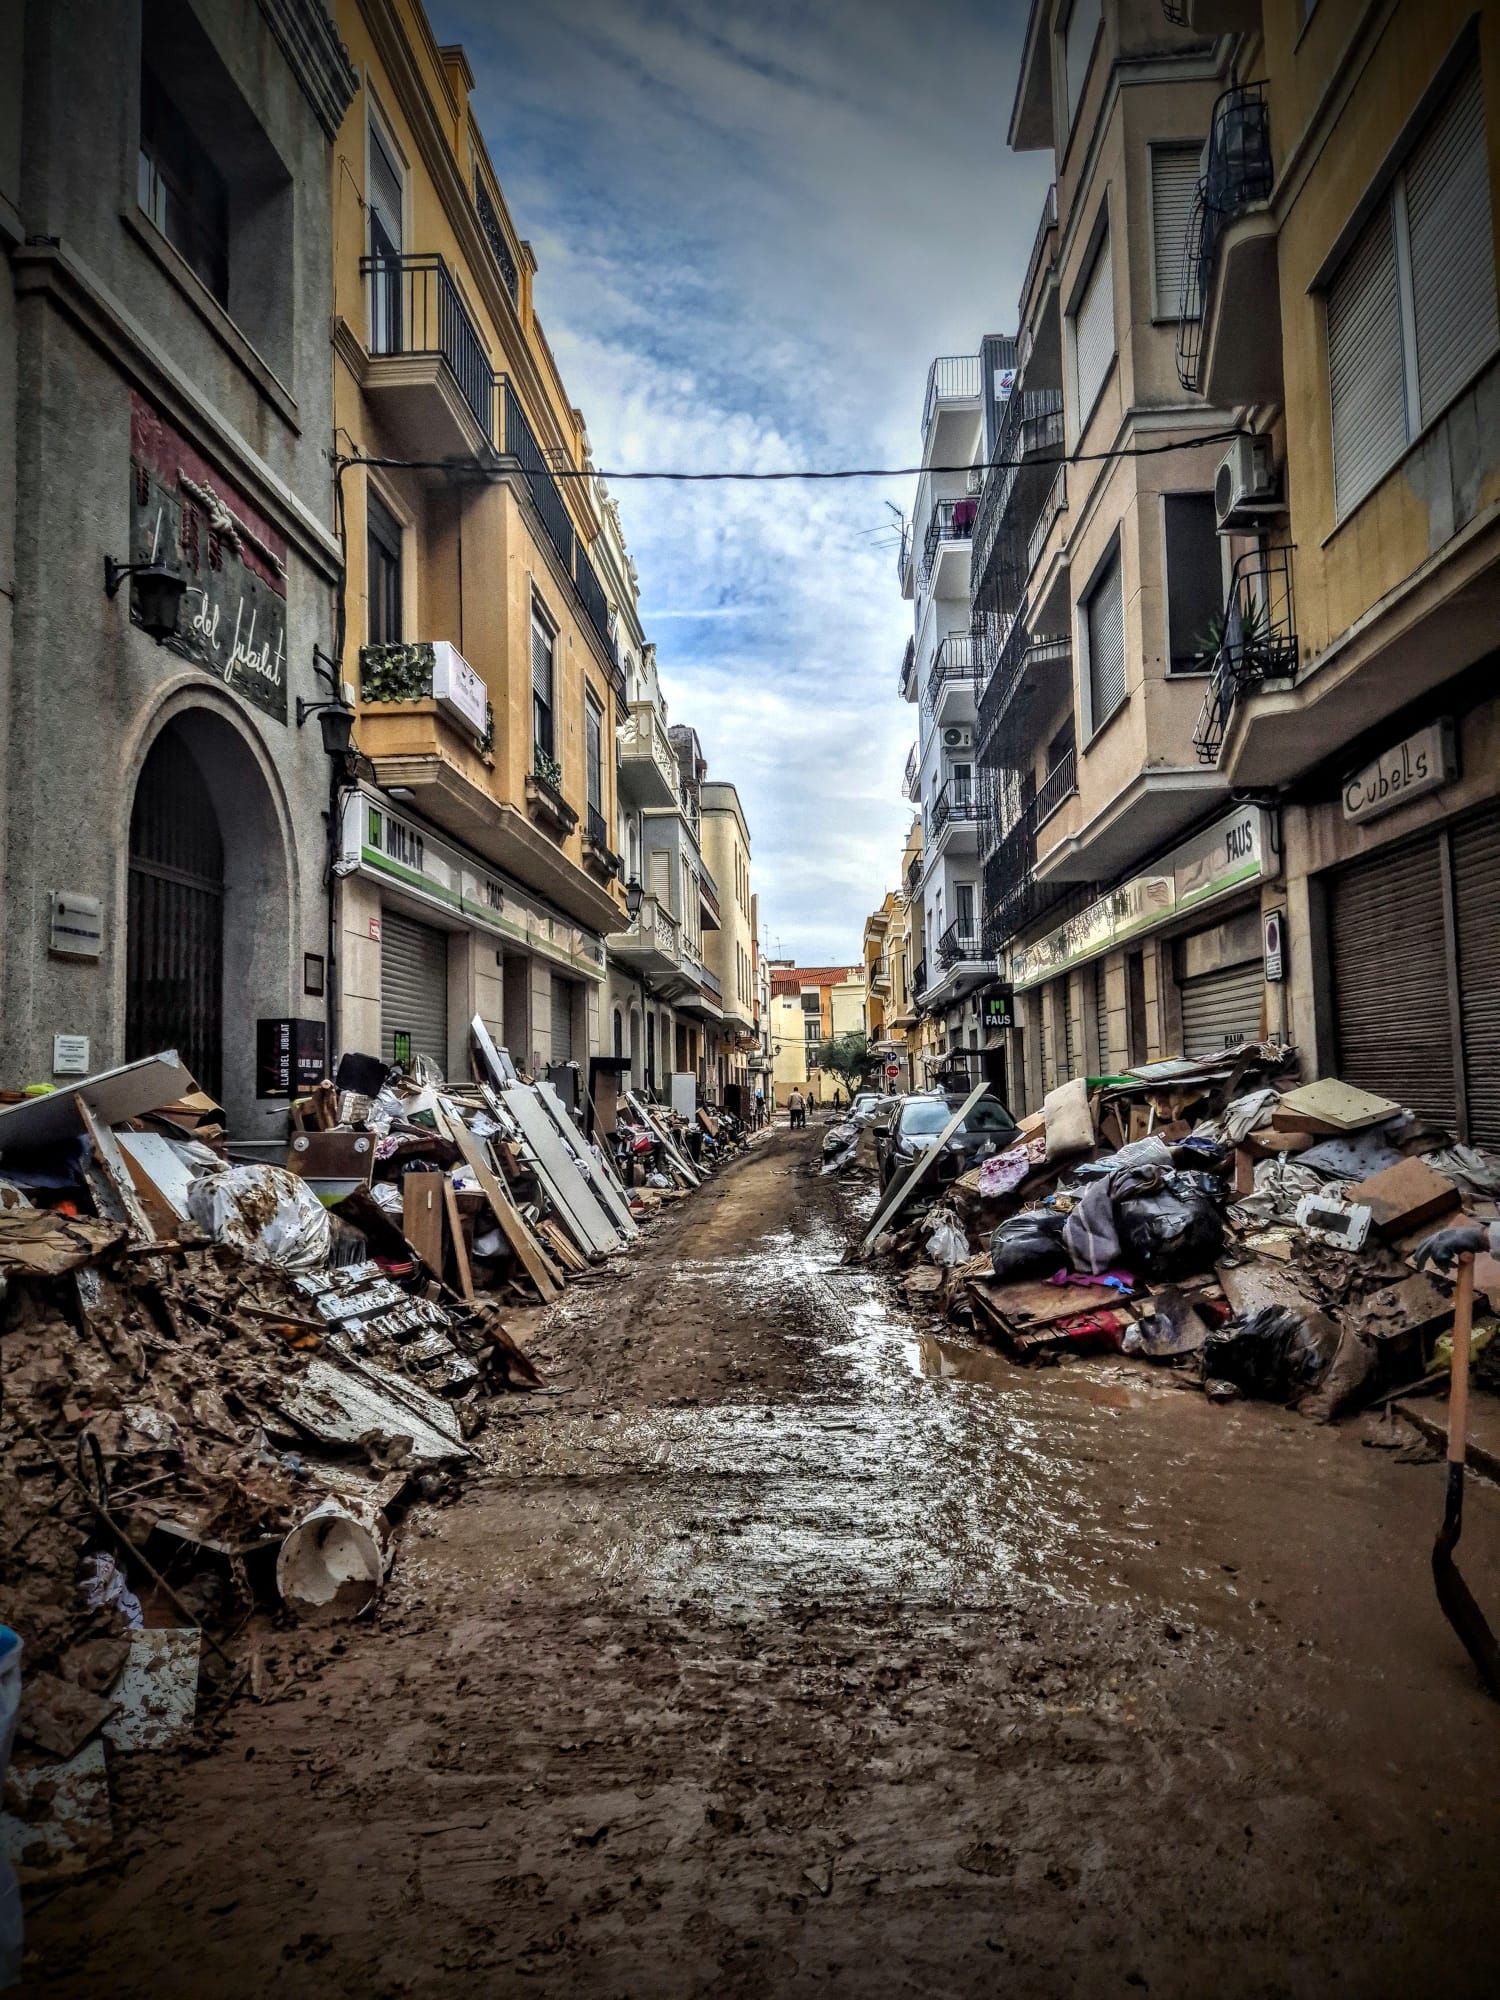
(456, 1231)
(497, 1065)
(111, 1164)
(669, 1145)
(534, 1260)
(903, 1185)
(570, 1192)
(605, 1192)
(162, 1177)
(422, 1217)
(556, 1239)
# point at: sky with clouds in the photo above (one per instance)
(754, 230)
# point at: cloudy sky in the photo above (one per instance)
(755, 227)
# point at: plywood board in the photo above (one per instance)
(534, 1260)
(113, 1095)
(1404, 1197)
(160, 1173)
(498, 1067)
(604, 1189)
(1335, 1106)
(570, 1192)
(456, 1232)
(110, 1161)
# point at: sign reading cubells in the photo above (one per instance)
(184, 513)
(1418, 763)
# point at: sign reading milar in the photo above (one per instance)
(1417, 764)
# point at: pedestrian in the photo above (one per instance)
(838, 1098)
(760, 1106)
(795, 1111)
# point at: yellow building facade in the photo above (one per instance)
(1345, 308)
(477, 873)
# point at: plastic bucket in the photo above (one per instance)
(334, 1562)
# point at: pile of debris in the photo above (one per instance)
(227, 1368)
(1218, 1218)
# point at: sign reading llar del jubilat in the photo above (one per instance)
(185, 514)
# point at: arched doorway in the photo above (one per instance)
(174, 977)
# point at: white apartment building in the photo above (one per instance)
(938, 677)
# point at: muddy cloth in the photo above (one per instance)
(1091, 1233)
(1275, 1353)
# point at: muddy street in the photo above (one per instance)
(786, 1647)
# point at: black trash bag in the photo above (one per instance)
(1028, 1244)
(1173, 1230)
(1275, 1352)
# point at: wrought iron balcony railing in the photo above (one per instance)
(953, 661)
(950, 521)
(909, 785)
(952, 378)
(960, 944)
(1236, 173)
(919, 979)
(1031, 436)
(1013, 897)
(1256, 641)
(1045, 226)
(1060, 783)
(913, 873)
(959, 803)
(908, 661)
(1023, 658)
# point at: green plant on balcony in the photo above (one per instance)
(1242, 633)
(487, 741)
(399, 671)
(546, 767)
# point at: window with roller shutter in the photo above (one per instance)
(1094, 332)
(1411, 311)
(1174, 187)
(1104, 635)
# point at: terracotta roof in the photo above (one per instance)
(793, 978)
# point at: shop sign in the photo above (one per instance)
(385, 844)
(1237, 849)
(1419, 763)
(291, 1056)
(1273, 931)
(457, 689)
(185, 514)
(999, 1009)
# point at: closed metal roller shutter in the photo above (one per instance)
(1106, 636)
(1071, 1065)
(1174, 188)
(1390, 982)
(1101, 1016)
(1476, 899)
(1452, 249)
(1094, 331)
(1365, 378)
(1220, 1008)
(562, 1020)
(413, 988)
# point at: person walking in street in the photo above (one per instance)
(796, 1109)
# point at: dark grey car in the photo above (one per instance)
(988, 1128)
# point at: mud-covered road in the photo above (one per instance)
(789, 1650)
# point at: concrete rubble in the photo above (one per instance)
(229, 1371)
(1221, 1219)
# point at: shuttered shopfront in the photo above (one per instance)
(562, 1020)
(1416, 996)
(413, 989)
(1101, 1016)
(1221, 1008)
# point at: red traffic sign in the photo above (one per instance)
(893, 1069)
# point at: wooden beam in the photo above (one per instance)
(904, 1184)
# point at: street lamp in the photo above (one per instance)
(635, 895)
(156, 594)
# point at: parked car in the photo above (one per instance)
(917, 1123)
(871, 1105)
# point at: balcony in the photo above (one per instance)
(1229, 327)
(911, 777)
(919, 979)
(597, 852)
(1014, 896)
(1214, 17)
(428, 375)
(653, 944)
(913, 874)
(1029, 669)
(544, 796)
(955, 817)
(708, 899)
(950, 680)
(1060, 783)
(1027, 452)
(1256, 642)
(950, 530)
(647, 764)
(953, 382)
(907, 685)
(1039, 355)
(879, 976)
(958, 944)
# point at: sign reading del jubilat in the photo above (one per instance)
(184, 513)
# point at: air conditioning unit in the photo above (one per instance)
(1245, 485)
(957, 738)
